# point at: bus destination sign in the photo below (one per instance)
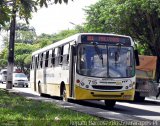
(106, 39)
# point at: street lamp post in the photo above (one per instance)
(77, 26)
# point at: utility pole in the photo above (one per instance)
(11, 48)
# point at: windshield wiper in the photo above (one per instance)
(99, 52)
(117, 53)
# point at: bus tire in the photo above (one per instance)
(138, 98)
(110, 103)
(63, 94)
(39, 87)
(44, 95)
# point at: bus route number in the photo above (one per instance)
(93, 82)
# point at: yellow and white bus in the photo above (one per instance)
(86, 66)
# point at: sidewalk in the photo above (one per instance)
(153, 98)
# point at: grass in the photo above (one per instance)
(15, 110)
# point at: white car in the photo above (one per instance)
(3, 75)
(20, 79)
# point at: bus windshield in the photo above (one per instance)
(109, 61)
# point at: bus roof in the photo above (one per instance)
(73, 38)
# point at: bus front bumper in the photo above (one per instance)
(84, 94)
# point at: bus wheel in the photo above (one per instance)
(138, 98)
(63, 92)
(110, 103)
(39, 87)
(64, 97)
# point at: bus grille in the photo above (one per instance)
(104, 87)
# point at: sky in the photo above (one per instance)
(57, 17)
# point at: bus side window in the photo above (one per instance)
(56, 58)
(32, 63)
(50, 58)
(60, 54)
(53, 57)
(41, 60)
(31, 66)
(36, 62)
(46, 59)
(66, 54)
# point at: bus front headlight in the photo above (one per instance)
(132, 85)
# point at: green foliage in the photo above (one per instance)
(4, 54)
(139, 19)
(4, 11)
(3, 63)
(143, 49)
(98, 16)
(27, 60)
(3, 58)
(43, 42)
(24, 33)
(46, 2)
(23, 8)
(22, 54)
(44, 39)
(63, 34)
(23, 51)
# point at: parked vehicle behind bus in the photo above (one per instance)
(86, 66)
(20, 79)
(146, 85)
(3, 75)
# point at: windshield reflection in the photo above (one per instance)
(108, 61)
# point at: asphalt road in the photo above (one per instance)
(149, 110)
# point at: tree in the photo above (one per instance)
(45, 39)
(4, 12)
(99, 17)
(22, 56)
(46, 2)
(22, 53)
(139, 19)
(63, 34)
(23, 8)
(25, 34)
(3, 58)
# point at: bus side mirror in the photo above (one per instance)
(136, 57)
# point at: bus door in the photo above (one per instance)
(72, 71)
